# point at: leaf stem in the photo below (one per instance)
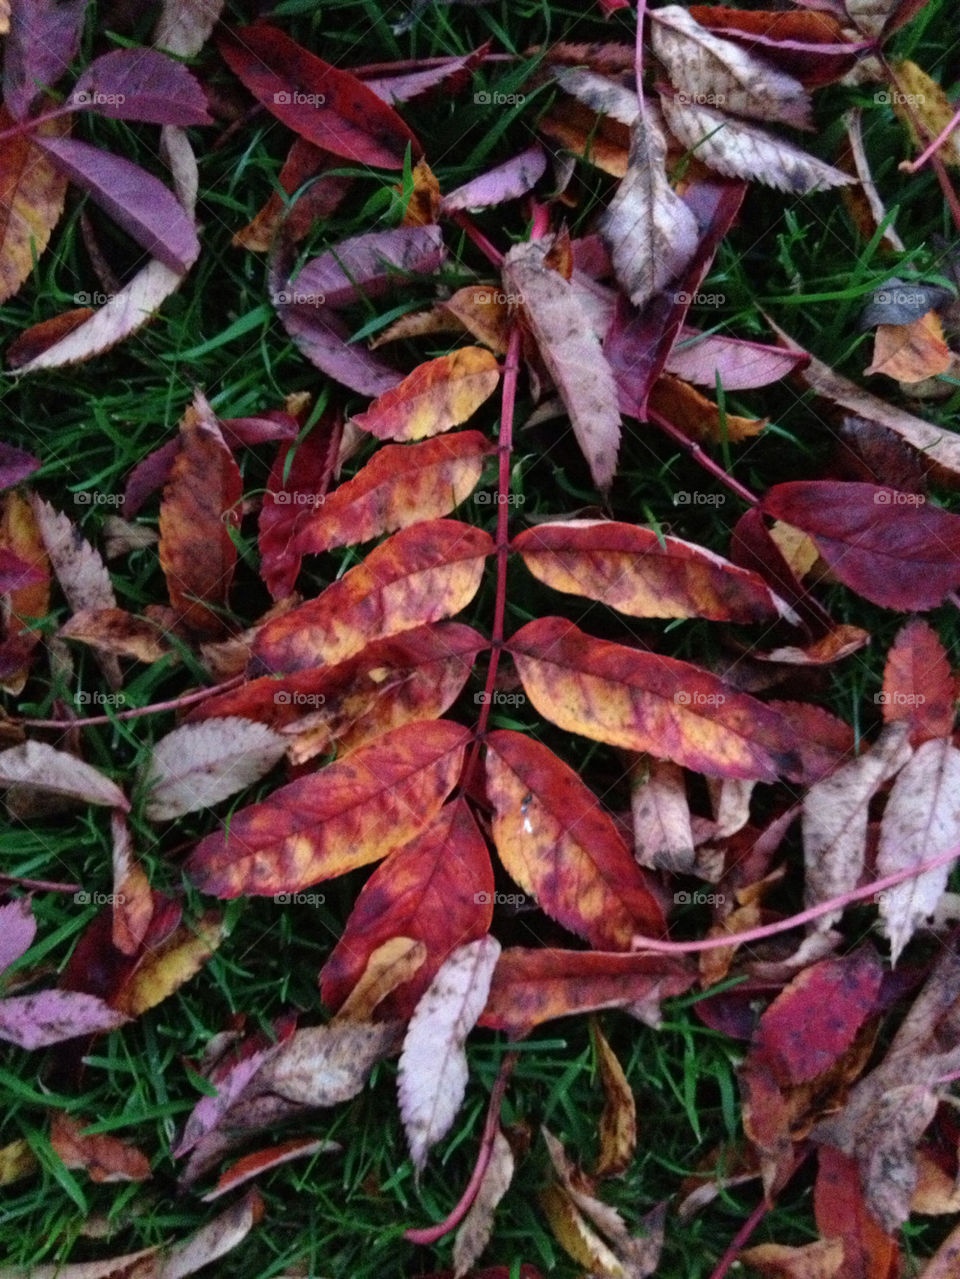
(34, 122)
(136, 712)
(911, 166)
(698, 455)
(794, 921)
(923, 133)
(430, 1234)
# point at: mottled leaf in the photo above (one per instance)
(436, 396)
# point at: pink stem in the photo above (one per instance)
(922, 132)
(430, 1234)
(39, 885)
(911, 166)
(175, 704)
(29, 126)
(489, 251)
(794, 921)
(740, 1238)
(698, 455)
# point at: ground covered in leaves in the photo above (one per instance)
(480, 605)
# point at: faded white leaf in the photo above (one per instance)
(477, 1226)
(650, 232)
(42, 767)
(921, 820)
(662, 834)
(835, 819)
(740, 150)
(600, 93)
(572, 353)
(324, 1065)
(433, 1065)
(199, 765)
(708, 70)
(730, 797)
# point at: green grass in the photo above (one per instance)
(342, 1215)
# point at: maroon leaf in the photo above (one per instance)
(16, 573)
(740, 365)
(895, 549)
(329, 107)
(411, 84)
(137, 201)
(15, 465)
(325, 340)
(365, 266)
(44, 36)
(141, 84)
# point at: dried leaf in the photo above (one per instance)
(929, 105)
(477, 1226)
(389, 966)
(704, 357)
(911, 352)
(263, 1160)
(559, 845)
(199, 765)
(366, 266)
(819, 1260)
(326, 1065)
(570, 349)
(697, 416)
(41, 767)
(141, 84)
(921, 819)
(437, 395)
(618, 1122)
(163, 968)
(132, 895)
(508, 181)
(662, 833)
(104, 1157)
(433, 1072)
(51, 1016)
(44, 37)
(346, 815)
(114, 631)
(32, 192)
(17, 930)
(917, 684)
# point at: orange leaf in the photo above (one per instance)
(631, 569)
(346, 815)
(559, 845)
(696, 415)
(263, 1160)
(436, 396)
(917, 684)
(20, 534)
(911, 352)
(437, 889)
(419, 575)
(533, 986)
(32, 190)
(197, 554)
(399, 486)
(646, 702)
(106, 1158)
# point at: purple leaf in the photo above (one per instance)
(324, 339)
(401, 88)
(148, 476)
(15, 465)
(741, 365)
(275, 424)
(137, 201)
(506, 182)
(365, 265)
(17, 930)
(44, 36)
(51, 1016)
(16, 573)
(141, 84)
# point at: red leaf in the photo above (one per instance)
(895, 549)
(917, 684)
(437, 889)
(141, 84)
(329, 107)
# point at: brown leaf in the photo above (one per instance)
(132, 894)
(200, 499)
(42, 767)
(697, 416)
(917, 684)
(390, 965)
(113, 630)
(911, 352)
(32, 192)
(477, 1226)
(819, 1260)
(104, 1157)
(662, 834)
(618, 1122)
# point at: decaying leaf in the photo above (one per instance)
(42, 767)
(477, 1225)
(618, 1122)
(438, 395)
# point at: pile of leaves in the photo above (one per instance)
(327, 693)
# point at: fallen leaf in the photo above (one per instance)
(739, 365)
(508, 181)
(263, 1160)
(20, 536)
(113, 631)
(477, 1226)
(346, 815)
(389, 966)
(921, 820)
(618, 1122)
(648, 702)
(41, 767)
(571, 350)
(643, 574)
(17, 930)
(929, 106)
(421, 574)
(559, 845)
(132, 895)
(662, 832)
(432, 1078)
(141, 84)
(437, 889)
(917, 684)
(43, 40)
(911, 352)
(436, 396)
(320, 199)
(162, 969)
(32, 193)
(697, 416)
(326, 1065)
(819, 1260)
(51, 1016)
(104, 1157)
